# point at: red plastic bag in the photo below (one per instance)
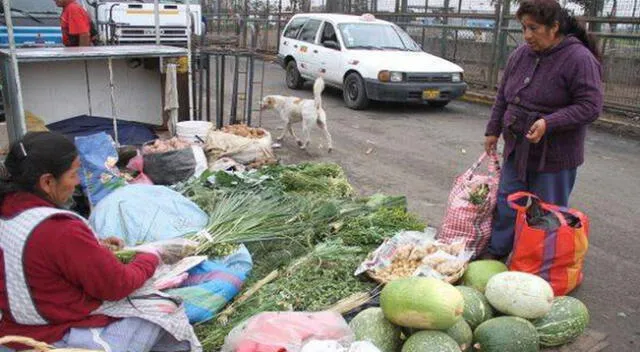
(471, 204)
(137, 164)
(550, 242)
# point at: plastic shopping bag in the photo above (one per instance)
(472, 200)
(98, 173)
(287, 331)
(550, 241)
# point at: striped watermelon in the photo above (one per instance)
(371, 325)
(476, 307)
(566, 321)
(462, 333)
(506, 334)
(430, 341)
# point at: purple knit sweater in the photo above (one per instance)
(563, 86)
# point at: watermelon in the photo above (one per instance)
(430, 341)
(371, 325)
(421, 303)
(506, 334)
(521, 294)
(479, 272)
(476, 307)
(462, 334)
(566, 321)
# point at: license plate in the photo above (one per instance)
(430, 94)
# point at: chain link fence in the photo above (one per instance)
(478, 35)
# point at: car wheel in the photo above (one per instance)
(294, 80)
(439, 104)
(354, 93)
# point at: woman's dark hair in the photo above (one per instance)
(36, 154)
(548, 12)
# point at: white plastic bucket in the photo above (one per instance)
(193, 131)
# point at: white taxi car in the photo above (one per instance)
(369, 59)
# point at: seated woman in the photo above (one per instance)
(55, 275)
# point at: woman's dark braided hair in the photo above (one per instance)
(36, 154)
(548, 12)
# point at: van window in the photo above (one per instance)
(309, 31)
(294, 27)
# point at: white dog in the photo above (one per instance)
(294, 109)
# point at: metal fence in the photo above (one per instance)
(476, 34)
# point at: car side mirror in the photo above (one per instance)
(331, 44)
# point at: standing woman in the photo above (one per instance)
(551, 90)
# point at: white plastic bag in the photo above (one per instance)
(171, 250)
(335, 346)
(363, 346)
(435, 259)
(241, 149)
(323, 346)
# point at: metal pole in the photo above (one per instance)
(493, 66)
(220, 82)
(279, 25)
(16, 125)
(234, 90)
(201, 84)
(156, 19)
(208, 78)
(190, 71)
(250, 75)
(113, 102)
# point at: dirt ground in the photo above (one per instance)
(417, 151)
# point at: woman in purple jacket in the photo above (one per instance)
(550, 92)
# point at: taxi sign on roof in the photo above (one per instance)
(368, 17)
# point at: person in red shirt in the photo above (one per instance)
(75, 24)
(53, 281)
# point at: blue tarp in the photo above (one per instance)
(129, 133)
(144, 213)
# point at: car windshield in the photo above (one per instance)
(376, 36)
(34, 6)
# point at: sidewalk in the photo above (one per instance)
(624, 124)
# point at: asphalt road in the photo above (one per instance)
(418, 150)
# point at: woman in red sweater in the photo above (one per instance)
(54, 272)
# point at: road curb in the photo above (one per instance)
(610, 122)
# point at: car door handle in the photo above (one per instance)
(285, 43)
(315, 51)
(295, 45)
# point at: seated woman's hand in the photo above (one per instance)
(169, 251)
(113, 244)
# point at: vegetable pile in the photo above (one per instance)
(307, 232)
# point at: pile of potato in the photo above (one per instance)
(244, 131)
(162, 146)
(439, 257)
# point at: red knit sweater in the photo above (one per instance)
(69, 274)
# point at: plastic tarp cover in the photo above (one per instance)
(129, 132)
(145, 213)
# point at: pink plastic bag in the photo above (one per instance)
(287, 332)
(137, 164)
(470, 207)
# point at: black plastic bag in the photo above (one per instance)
(171, 167)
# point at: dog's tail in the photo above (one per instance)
(318, 88)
